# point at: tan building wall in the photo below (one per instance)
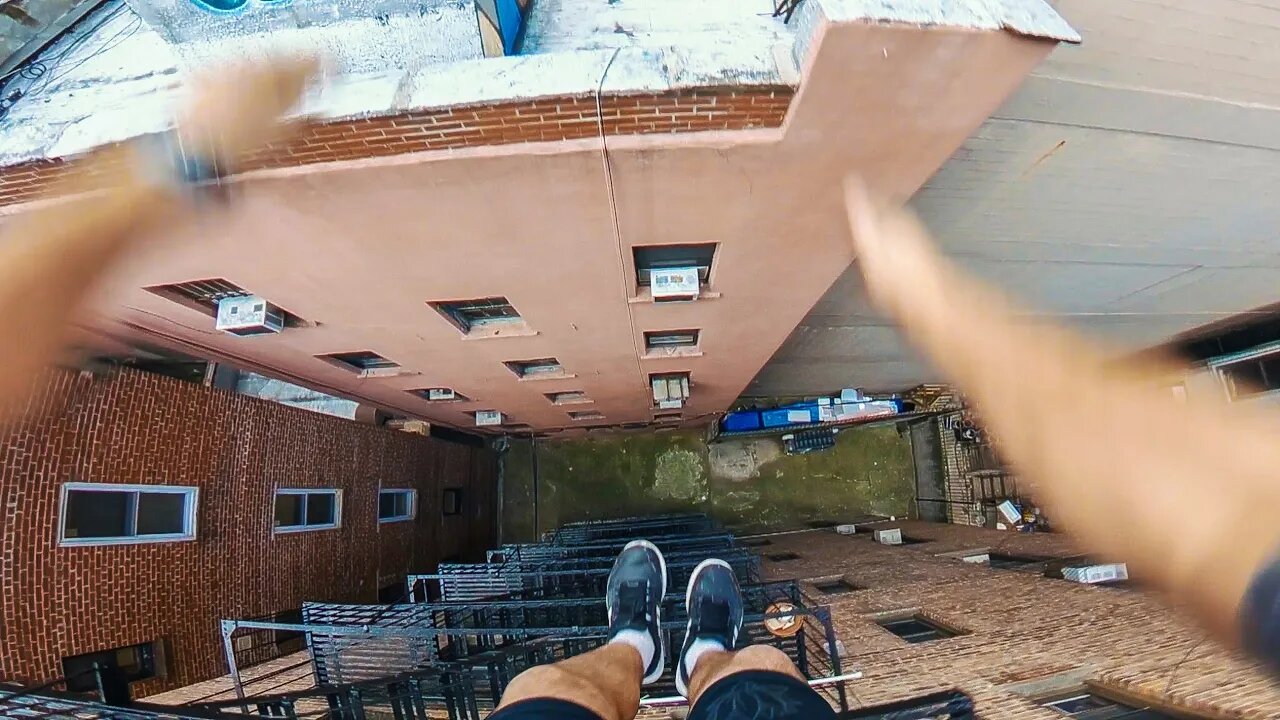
(359, 225)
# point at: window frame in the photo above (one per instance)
(694, 335)
(521, 369)
(289, 529)
(412, 504)
(191, 498)
(1119, 707)
(342, 360)
(939, 630)
(643, 273)
(459, 504)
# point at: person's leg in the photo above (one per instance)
(604, 683)
(756, 683)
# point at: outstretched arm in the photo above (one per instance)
(1188, 499)
(50, 257)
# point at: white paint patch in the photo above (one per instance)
(1026, 17)
(121, 78)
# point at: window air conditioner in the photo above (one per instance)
(441, 394)
(488, 417)
(248, 315)
(670, 391)
(674, 283)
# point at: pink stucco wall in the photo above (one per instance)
(361, 247)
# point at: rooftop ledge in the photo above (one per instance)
(79, 114)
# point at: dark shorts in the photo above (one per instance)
(1260, 615)
(751, 695)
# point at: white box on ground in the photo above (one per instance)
(674, 283)
(1010, 512)
(889, 537)
(983, 559)
(1093, 574)
(488, 417)
(846, 529)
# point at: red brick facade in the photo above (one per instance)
(540, 120)
(1020, 629)
(146, 429)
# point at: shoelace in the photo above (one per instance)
(713, 617)
(633, 601)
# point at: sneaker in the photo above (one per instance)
(633, 598)
(715, 613)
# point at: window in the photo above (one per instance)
(783, 556)
(916, 629)
(106, 514)
(298, 510)
(203, 296)
(571, 397)
(364, 362)
(660, 340)
(1011, 562)
(1255, 376)
(392, 593)
(440, 394)
(451, 502)
(396, 505)
(535, 369)
(468, 315)
(835, 586)
(585, 415)
(1088, 706)
(135, 662)
(662, 257)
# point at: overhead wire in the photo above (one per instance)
(42, 66)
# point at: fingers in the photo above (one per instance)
(892, 247)
(239, 108)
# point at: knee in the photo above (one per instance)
(540, 677)
(764, 657)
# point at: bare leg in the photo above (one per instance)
(605, 681)
(713, 666)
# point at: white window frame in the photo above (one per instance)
(412, 504)
(337, 510)
(191, 496)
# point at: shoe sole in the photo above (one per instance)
(660, 647)
(688, 628)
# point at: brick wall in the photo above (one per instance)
(1020, 627)
(146, 429)
(540, 120)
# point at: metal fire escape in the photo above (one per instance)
(465, 631)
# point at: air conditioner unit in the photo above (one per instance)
(889, 537)
(248, 315)
(670, 391)
(441, 394)
(488, 417)
(674, 283)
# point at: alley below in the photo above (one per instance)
(750, 485)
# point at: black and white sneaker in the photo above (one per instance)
(633, 598)
(715, 615)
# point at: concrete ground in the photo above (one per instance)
(748, 484)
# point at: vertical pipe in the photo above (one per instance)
(228, 627)
(533, 443)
